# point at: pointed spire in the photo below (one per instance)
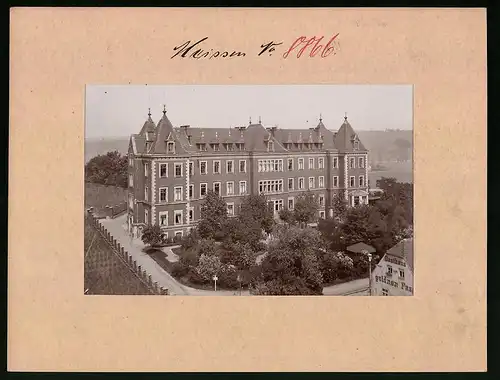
(164, 110)
(149, 112)
(250, 121)
(320, 118)
(345, 116)
(260, 120)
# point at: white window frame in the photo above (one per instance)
(321, 163)
(288, 203)
(293, 184)
(321, 197)
(160, 214)
(288, 161)
(170, 144)
(213, 167)
(361, 162)
(270, 146)
(244, 166)
(271, 186)
(191, 191)
(322, 214)
(321, 182)
(311, 163)
(165, 165)
(227, 208)
(242, 193)
(166, 194)
(401, 273)
(206, 189)
(177, 212)
(213, 187)
(191, 210)
(227, 166)
(352, 179)
(333, 183)
(146, 194)
(176, 165)
(175, 194)
(361, 179)
(335, 162)
(300, 164)
(227, 188)
(303, 183)
(131, 180)
(206, 167)
(191, 168)
(353, 161)
(146, 169)
(385, 292)
(313, 183)
(180, 232)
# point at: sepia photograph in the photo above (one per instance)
(249, 190)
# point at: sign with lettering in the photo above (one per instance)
(394, 260)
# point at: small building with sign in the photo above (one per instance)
(393, 275)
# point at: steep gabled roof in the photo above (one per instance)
(344, 139)
(404, 250)
(164, 131)
(149, 126)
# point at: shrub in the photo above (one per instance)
(179, 269)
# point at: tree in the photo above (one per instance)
(152, 236)
(255, 208)
(291, 265)
(287, 216)
(209, 266)
(335, 265)
(108, 169)
(213, 216)
(339, 206)
(305, 208)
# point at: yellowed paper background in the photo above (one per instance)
(53, 326)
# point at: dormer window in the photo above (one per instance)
(229, 147)
(356, 144)
(149, 136)
(215, 147)
(170, 147)
(202, 147)
(270, 146)
(240, 146)
(148, 145)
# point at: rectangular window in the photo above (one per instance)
(273, 186)
(191, 214)
(146, 216)
(290, 203)
(146, 193)
(146, 169)
(229, 166)
(131, 202)
(321, 163)
(130, 180)
(352, 181)
(335, 181)
(290, 183)
(191, 191)
(361, 181)
(217, 188)
(311, 163)
(163, 218)
(216, 167)
(191, 168)
(178, 194)
(311, 182)
(301, 183)
(130, 162)
(229, 188)
(229, 147)
(171, 147)
(270, 165)
(321, 200)
(178, 170)
(178, 217)
(243, 166)
(203, 189)
(389, 270)
(290, 164)
(301, 164)
(230, 209)
(361, 162)
(401, 273)
(243, 187)
(215, 147)
(163, 170)
(163, 194)
(335, 162)
(322, 214)
(321, 182)
(203, 167)
(352, 162)
(385, 292)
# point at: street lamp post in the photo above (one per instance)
(369, 271)
(215, 278)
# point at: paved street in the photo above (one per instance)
(355, 288)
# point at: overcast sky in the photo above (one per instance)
(120, 110)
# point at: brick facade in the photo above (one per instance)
(169, 167)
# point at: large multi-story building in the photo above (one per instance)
(172, 168)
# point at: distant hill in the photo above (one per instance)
(383, 145)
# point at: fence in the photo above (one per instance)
(125, 257)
